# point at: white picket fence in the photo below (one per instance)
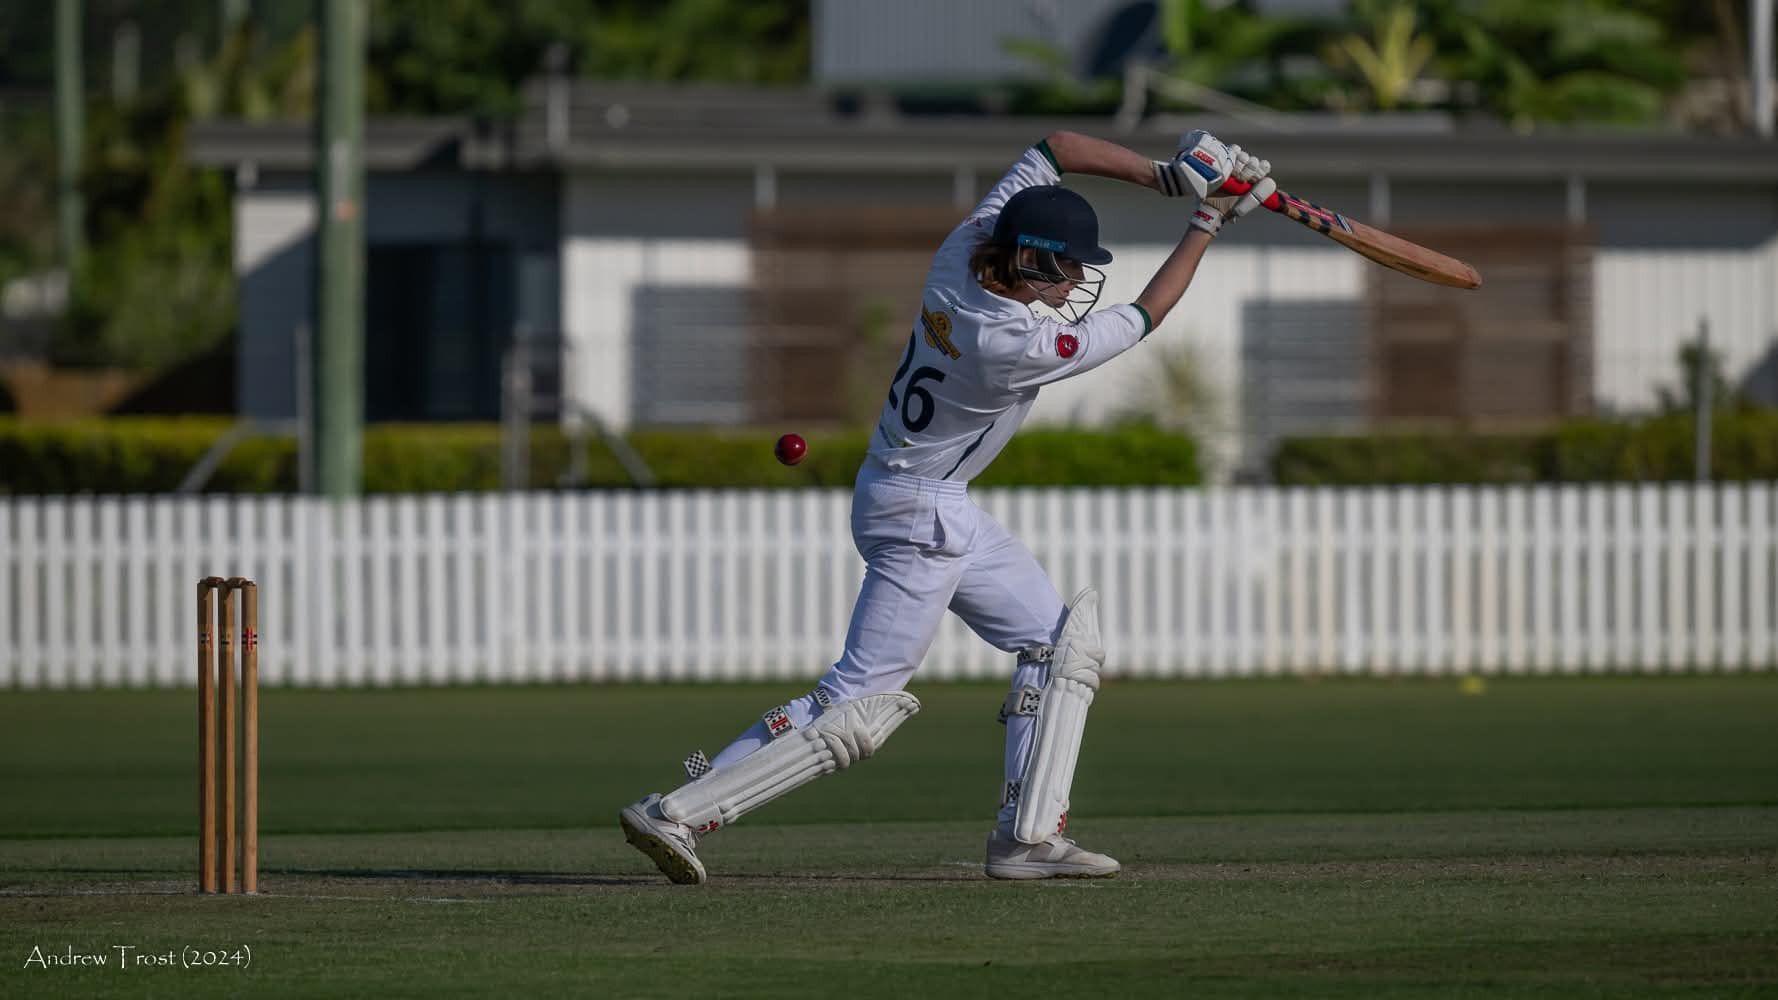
(733, 585)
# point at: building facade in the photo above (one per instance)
(700, 256)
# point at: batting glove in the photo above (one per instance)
(1201, 165)
(1216, 209)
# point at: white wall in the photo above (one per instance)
(1647, 303)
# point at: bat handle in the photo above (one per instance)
(1274, 201)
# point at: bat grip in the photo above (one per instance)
(1274, 201)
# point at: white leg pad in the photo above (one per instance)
(836, 739)
(1061, 719)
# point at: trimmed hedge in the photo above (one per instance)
(1743, 446)
(151, 455)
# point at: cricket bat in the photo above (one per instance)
(1391, 251)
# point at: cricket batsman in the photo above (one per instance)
(979, 352)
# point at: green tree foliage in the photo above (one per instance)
(158, 288)
(1229, 47)
(461, 56)
(255, 76)
(1699, 366)
(1390, 58)
(762, 41)
(472, 56)
(1526, 61)
(157, 283)
(27, 196)
(1530, 61)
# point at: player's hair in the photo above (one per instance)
(996, 267)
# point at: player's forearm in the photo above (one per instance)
(1083, 154)
(1175, 275)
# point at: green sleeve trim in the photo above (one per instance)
(1147, 322)
(1043, 146)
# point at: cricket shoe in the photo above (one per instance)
(1057, 857)
(672, 846)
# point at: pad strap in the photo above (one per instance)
(1026, 700)
(833, 742)
(777, 722)
(697, 765)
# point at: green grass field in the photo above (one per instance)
(1560, 838)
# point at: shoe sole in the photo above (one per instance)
(1027, 873)
(678, 869)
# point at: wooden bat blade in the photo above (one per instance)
(1387, 249)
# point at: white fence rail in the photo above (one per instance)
(751, 585)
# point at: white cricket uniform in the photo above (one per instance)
(973, 367)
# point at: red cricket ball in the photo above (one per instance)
(790, 449)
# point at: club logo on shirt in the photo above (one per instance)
(1066, 345)
(938, 332)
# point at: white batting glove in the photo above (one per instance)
(1216, 209)
(1201, 165)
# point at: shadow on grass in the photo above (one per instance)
(520, 878)
(496, 876)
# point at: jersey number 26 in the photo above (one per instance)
(905, 404)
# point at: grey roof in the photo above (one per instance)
(586, 125)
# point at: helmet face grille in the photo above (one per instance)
(1047, 270)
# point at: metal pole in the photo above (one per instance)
(305, 409)
(70, 132)
(1701, 375)
(1760, 69)
(339, 313)
(516, 410)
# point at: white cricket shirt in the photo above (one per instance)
(975, 360)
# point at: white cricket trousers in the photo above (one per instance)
(928, 549)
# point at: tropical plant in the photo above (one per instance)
(1532, 61)
(473, 56)
(253, 78)
(1391, 58)
(1698, 363)
(156, 283)
(1212, 44)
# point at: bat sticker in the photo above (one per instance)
(1317, 218)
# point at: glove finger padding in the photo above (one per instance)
(1245, 166)
(1254, 198)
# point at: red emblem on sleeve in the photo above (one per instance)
(1066, 345)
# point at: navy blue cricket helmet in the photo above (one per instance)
(1051, 217)
(1056, 223)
